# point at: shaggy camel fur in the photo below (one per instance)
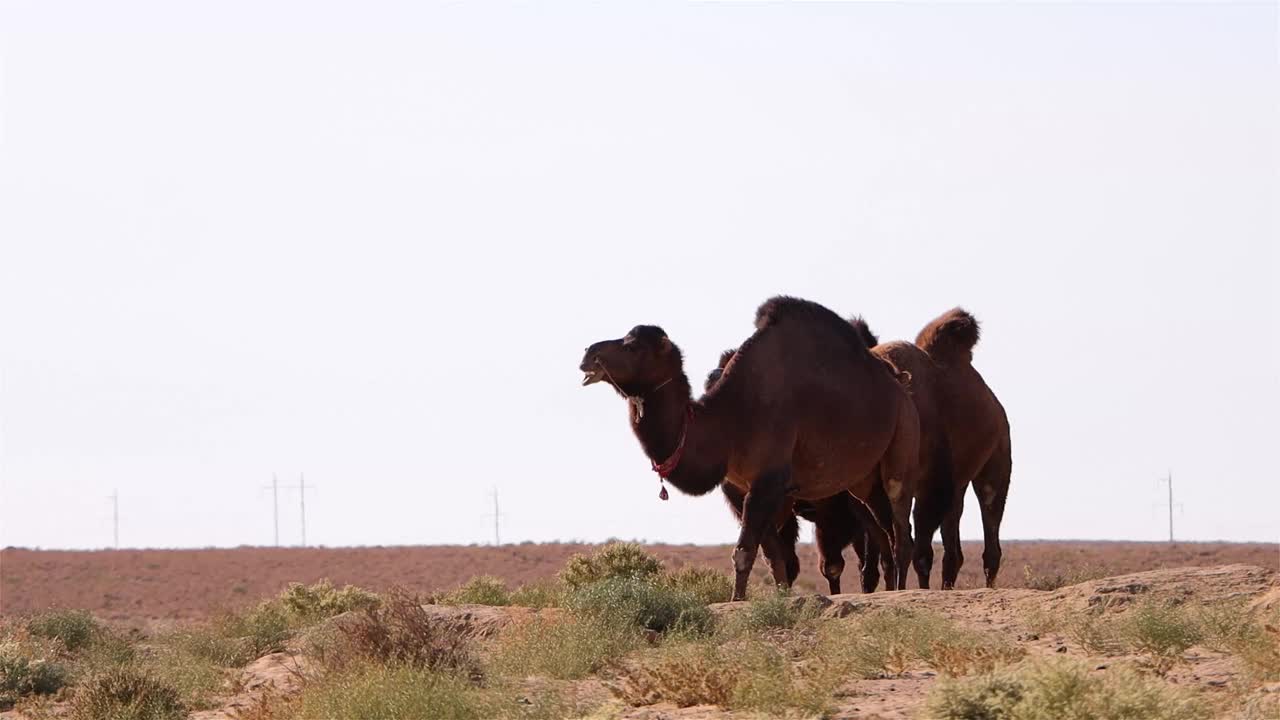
(839, 522)
(802, 411)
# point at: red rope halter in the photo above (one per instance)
(668, 466)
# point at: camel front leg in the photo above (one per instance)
(778, 543)
(759, 510)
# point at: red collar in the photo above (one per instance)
(668, 466)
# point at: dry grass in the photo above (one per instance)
(564, 648)
(891, 641)
(1061, 690)
(744, 675)
(127, 694)
(398, 631)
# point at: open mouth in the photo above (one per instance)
(592, 376)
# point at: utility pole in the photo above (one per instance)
(497, 537)
(302, 497)
(275, 507)
(115, 518)
(1168, 480)
(301, 487)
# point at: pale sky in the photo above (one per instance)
(369, 242)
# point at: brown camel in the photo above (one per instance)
(802, 411)
(978, 430)
(838, 521)
(950, 392)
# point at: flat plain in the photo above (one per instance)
(148, 585)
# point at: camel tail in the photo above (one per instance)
(950, 337)
(864, 331)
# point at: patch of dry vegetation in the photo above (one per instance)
(1061, 690)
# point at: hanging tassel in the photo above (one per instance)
(662, 495)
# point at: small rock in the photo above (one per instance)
(1061, 649)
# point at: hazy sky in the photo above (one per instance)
(369, 242)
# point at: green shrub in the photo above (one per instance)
(480, 590)
(542, 594)
(127, 694)
(75, 629)
(1162, 630)
(564, 648)
(308, 604)
(643, 604)
(1060, 691)
(21, 675)
(709, 586)
(614, 560)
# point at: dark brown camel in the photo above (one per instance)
(803, 411)
(978, 430)
(839, 522)
(949, 392)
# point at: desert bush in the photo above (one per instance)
(1162, 629)
(709, 586)
(1095, 633)
(126, 693)
(891, 640)
(400, 631)
(745, 675)
(614, 560)
(480, 590)
(1057, 578)
(642, 603)
(236, 639)
(564, 648)
(1252, 637)
(542, 594)
(309, 604)
(74, 629)
(1060, 691)
(773, 608)
(22, 675)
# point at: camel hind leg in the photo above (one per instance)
(934, 496)
(898, 477)
(992, 488)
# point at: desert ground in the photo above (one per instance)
(1123, 631)
(131, 585)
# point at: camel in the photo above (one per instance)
(958, 413)
(978, 430)
(839, 522)
(803, 411)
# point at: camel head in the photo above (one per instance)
(640, 361)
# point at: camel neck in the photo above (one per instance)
(666, 421)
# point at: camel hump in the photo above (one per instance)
(782, 310)
(950, 337)
(864, 331)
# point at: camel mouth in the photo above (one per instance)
(592, 376)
